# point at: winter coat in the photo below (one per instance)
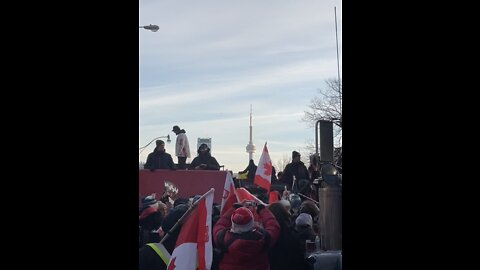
(159, 160)
(248, 254)
(251, 169)
(182, 147)
(288, 252)
(295, 168)
(148, 259)
(207, 159)
(149, 221)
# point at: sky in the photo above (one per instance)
(211, 59)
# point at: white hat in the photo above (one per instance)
(286, 204)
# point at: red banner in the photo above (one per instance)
(189, 183)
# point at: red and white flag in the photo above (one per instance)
(229, 197)
(243, 194)
(263, 175)
(193, 249)
(274, 196)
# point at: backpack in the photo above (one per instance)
(221, 249)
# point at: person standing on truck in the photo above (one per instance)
(182, 147)
(159, 159)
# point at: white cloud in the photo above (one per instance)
(211, 59)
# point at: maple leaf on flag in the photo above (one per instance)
(172, 265)
(263, 175)
(194, 243)
(268, 168)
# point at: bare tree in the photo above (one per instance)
(309, 150)
(328, 106)
(281, 164)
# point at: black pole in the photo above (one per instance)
(190, 209)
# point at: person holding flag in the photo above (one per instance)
(194, 246)
(155, 256)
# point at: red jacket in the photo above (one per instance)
(247, 254)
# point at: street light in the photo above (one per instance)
(143, 147)
(151, 27)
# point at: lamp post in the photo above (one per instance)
(151, 27)
(143, 147)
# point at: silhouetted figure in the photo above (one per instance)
(204, 160)
(159, 159)
(250, 170)
(296, 168)
(182, 147)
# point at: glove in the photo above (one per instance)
(259, 208)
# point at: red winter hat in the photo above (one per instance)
(242, 220)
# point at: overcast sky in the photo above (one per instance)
(211, 59)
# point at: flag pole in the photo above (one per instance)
(338, 62)
(190, 209)
(308, 198)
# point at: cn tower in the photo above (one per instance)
(250, 146)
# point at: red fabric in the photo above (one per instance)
(147, 212)
(247, 254)
(242, 216)
(263, 175)
(189, 183)
(195, 230)
(243, 194)
(229, 197)
(274, 196)
(202, 235)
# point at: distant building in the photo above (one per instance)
(207, 141)
(250, 146)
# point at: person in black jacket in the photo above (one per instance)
(250, 170)
(159, 159)
(204, 160)
(150, 219)
(298, 170)
(148, 258)
(287, 253)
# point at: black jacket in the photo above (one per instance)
(207, 159)
(159, 160)
(252, 169)
(288, 252)
(295, 168)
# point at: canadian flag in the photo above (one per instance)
(263, 175)
(274, 196)
(193, 249)
(229, 197)
(243, 194)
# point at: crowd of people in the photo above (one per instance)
(275, 240)
(255, 236)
